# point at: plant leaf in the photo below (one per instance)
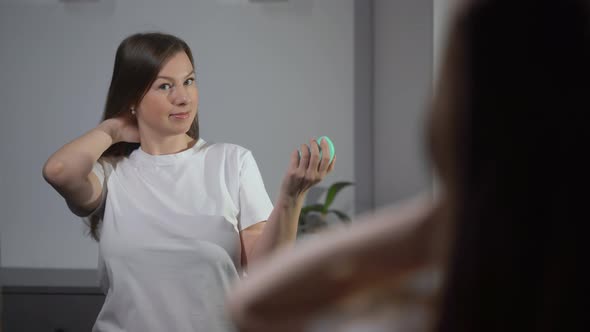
(333, 191)
(341, 215)
(312, 208)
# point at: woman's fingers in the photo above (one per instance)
(306, 168)
(331, 167)
(326, 155)
(314, 160)
(305, 155)
(294, 160)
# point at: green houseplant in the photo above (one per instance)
(313, 217)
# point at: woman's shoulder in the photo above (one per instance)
(228, 149)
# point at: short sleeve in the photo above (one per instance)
(98, 170)
(102, 170)
(255, 205)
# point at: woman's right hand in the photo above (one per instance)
(122, 128)
(69, 169)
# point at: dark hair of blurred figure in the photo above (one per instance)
(506, 136)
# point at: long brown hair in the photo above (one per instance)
(517, 144)
(138, 60)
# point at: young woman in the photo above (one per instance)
(177, 218)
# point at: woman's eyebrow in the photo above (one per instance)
(172, 79)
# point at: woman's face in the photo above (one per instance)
(170, 104)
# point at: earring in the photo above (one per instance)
(132, 111)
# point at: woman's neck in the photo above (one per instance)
(167, 145)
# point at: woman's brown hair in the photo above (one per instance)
(138, 60)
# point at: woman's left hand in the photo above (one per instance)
(305, 172)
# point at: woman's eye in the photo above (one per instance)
(165, 87)
(189, 81)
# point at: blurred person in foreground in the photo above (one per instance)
(506, 136)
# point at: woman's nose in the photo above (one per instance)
(180, 97)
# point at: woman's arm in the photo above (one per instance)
(294, 284)
(69, 169)
(281, 227)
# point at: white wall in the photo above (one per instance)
(402, 81)
(271, 76)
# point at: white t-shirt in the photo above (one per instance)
(169, 243)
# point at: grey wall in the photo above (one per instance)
(364, 53)
(402, 79)
(271, 76)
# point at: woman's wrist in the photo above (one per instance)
(291, 200)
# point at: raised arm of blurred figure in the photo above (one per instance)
(293, 285)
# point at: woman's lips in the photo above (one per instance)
(182, 116)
